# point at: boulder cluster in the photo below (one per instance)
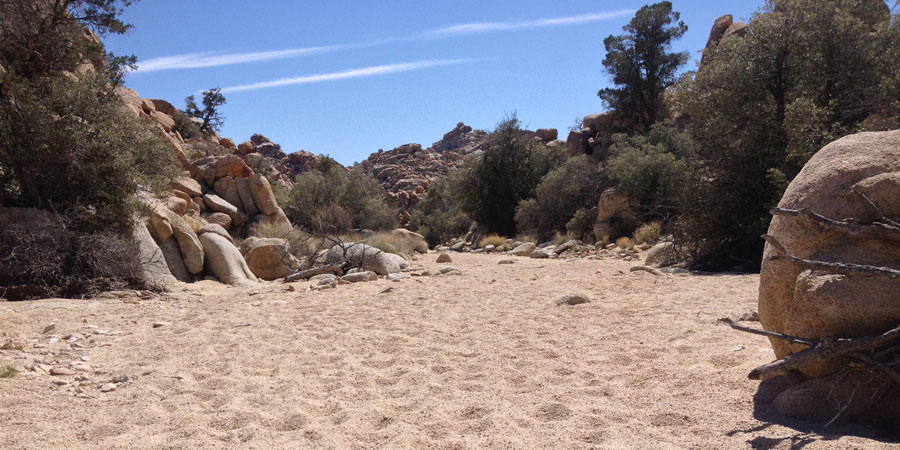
(216, 196)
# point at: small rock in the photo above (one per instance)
(108, 387)
(360, 277)
(60, 382)
(447, 270)
(161, 324)
(541, 254)
(49, 328)
(458, 247)
(444, 258)
(62, 371)
(507, 261)
(120, 379)
(256, 304)
(386, 290)
(572, 299)
(395, 277)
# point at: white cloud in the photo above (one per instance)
(347, 74)
(485, 27)
(198, 60)
(213, 59)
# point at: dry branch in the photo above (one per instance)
(837, 267)
(823, 350)
(319, 270)
(848, 226)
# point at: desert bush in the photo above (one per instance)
(8, 372)
(652, 169)
(492, 239)
(489, 188)
(354, 191)
(525, 237)
(331, 220)
(69, 145)
(625, 243)
(438, 217)
(581, 222)
(559, 238)
(574, 185)
(187, 128)
(72, 264)
(648, 232)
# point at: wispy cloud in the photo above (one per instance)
(210, 59)
(487, 27)
(213, 59)
(347, 74)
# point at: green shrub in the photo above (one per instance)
(69, 145)
(489, 188)
(652, 169)
(354, 191)
(582, 222)
(574, 185)
(437, 217)
(187, 128)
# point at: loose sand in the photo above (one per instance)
(480, 360)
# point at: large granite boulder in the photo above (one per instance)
(269, 258)
(817, 303)
(224, 261)
(364, 256)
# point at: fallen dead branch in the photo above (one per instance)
(834, 266)
(825, 349)
(334, 269)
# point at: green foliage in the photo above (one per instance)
(575, 184)
(210, 114)
(45, 38)
(67, 144)
(641, 64)
(356, 192)
(186, 127)
(581, 222)
(762, 104)
(438, 217)
(8, 372)
(652, 168)
(491, 186)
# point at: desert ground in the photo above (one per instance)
(485, 359)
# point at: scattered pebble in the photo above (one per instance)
(49, 328)
(62, 371)
(108, 387)
(161, 324)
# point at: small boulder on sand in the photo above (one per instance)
(444, 258)
(572, 300)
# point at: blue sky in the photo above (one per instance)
(347, 78)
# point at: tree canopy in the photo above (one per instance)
(641, 65)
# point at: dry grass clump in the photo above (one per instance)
(8, 372)
(392, 243)
(559, 238)
(648, 232)
(527, 237)
(605, 240)
(625, 243)
(492, 239)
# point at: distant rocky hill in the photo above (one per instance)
(407, 171)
